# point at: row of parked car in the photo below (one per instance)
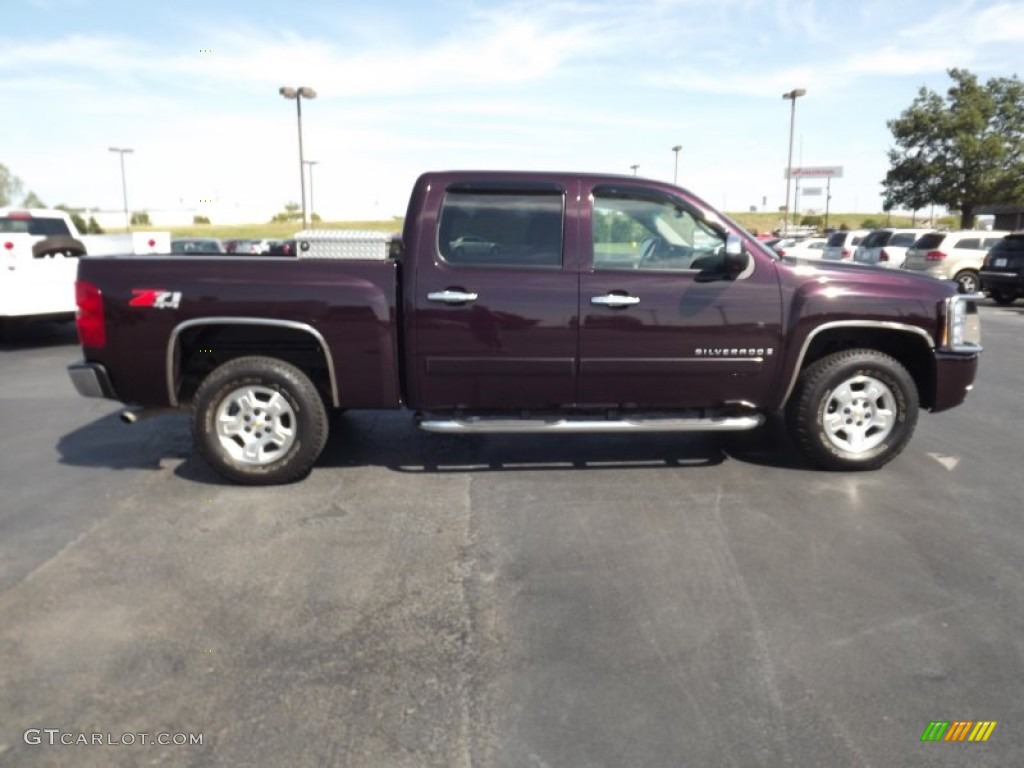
(992, 261)
(209, 245)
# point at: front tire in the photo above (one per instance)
(853, 410)
(259, 421)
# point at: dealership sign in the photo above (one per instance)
(820, 172)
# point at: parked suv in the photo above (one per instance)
(1002, 273)
(842, 244)
(953, 255)
(887, 247)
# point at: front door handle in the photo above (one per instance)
(614, 300)
(449, 296)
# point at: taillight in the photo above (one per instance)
(845, 253)
(9, 245)
(92, 330)
(883, 256)
(152, 243)
(934, 256)
(780, 251)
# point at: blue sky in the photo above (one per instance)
(405, 87)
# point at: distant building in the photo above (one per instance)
(1008, 217)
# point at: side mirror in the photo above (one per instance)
(736, 258)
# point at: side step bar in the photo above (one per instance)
(490, 425)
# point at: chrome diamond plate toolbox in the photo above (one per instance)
(346, 244)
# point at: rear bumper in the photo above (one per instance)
(1005, 282)
(91, 380)
(954, 377)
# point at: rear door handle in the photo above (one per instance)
(448, 296)
(614, 300)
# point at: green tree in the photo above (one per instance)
(961, 151)
(197, 219)
(93, 227)
(32, 201)
(292, 212)
(140, 219)
(10, 186)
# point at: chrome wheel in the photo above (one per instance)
(968, 282)
(859, 414)
(255, 425)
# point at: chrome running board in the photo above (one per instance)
(561, 425)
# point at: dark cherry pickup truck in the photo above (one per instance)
(526, 302)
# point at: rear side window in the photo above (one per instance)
(501, 229)
(973, 243)
(40, 226)
(837, 239)
(929, 241)
(876, 239)
(1009, 245)
(904, 239)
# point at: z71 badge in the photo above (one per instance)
(154, 297)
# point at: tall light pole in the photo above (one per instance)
(634, 167)
(124, 185)
(299, 94)
(675, 174)
(312, 208)
(793, 95)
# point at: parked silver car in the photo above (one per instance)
(842, 243)
(953, 255)
(887, 247)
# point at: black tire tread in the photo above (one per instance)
(801, 409)
(310, 442)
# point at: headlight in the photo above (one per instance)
(963, 324)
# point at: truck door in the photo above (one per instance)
(661, 325)
(492, 322)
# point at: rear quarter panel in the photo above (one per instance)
(351, 304)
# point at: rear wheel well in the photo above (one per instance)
(909, 349)
(202, 349)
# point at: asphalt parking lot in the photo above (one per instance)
(422, 600)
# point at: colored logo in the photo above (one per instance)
(958, 730)
(154, 297)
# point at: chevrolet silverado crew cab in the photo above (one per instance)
(520, 303)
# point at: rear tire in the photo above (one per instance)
(968, 281)
(259, 421)
(1003, 299)
(853, 410)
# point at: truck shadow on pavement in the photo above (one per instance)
(36, 335)
(389, 439)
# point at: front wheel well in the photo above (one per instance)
(908, 348)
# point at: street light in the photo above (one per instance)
(303, 92)
(675, 175)
(634, 167)
(793, 95)
(312, 208)
(124, 186)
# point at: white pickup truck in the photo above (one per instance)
(39, 253)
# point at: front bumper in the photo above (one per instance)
(91, 380)
(954, 378)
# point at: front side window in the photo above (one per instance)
(904, 239)
(636, 232)
(501, 229)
